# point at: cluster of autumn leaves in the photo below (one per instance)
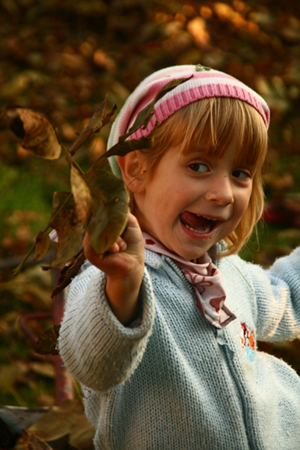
(98, 202)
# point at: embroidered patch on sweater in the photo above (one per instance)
(248, 342)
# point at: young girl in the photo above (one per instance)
(161, 331)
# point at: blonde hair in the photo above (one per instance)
(227, 120)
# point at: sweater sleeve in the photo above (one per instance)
(95, 347)
(278, 299)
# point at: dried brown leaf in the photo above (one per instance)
(28, 441)
(97, 121)
(68, 273)
(47, 342)
(67, 419)
(145, 115)
(82, 196)
(42, 242)
(69, 230)
(38, 134)
(143, 118)
(124, 147)
(110, 206)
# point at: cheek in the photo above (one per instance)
(243, 202)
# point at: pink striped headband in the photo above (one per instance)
(204, 83)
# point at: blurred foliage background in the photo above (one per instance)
(61, 58)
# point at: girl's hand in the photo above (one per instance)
(123, 264)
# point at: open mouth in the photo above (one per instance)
(198, 224)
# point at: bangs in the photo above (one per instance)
(214, 123)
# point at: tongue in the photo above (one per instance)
(194, 221)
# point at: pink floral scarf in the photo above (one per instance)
(206, 280)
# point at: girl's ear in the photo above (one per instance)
(133, 171)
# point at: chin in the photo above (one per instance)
(190, 255)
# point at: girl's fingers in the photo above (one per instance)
(122, 244)
(118, 246)
(125, 243)
(123, 256)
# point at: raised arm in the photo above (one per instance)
(277, 292)
(96, 343)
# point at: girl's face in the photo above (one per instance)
(192, 201)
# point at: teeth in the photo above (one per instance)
(204, 230)
(208, 218)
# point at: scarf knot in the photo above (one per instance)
(206, 280)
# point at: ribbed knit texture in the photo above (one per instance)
(176, 383)
(203, 84)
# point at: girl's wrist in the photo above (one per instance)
(122, 296)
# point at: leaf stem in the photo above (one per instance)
(18, 269)
(71, 161)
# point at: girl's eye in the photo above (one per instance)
(198, 167)
(240, 174)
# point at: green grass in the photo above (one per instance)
(27, 195)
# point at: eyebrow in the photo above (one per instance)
(197, 152)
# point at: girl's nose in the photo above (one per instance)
(221, 191)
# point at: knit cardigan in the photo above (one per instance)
(174, 381)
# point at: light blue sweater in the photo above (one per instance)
(175, 382)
